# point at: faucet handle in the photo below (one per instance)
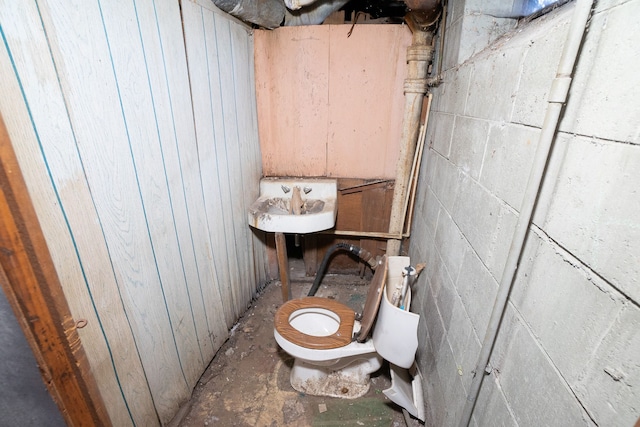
(307, 189)
(285, 188)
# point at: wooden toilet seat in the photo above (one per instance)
(341, 338)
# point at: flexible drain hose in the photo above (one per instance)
(363, 254)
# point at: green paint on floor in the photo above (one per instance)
(360, 412)
(356, 299)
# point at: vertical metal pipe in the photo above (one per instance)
(557, 98)
(415, 88)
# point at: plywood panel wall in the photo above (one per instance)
(138, 185)
(329, 104)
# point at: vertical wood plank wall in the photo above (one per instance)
(140, 157)
(328, 104)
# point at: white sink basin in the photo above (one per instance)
(273, 210)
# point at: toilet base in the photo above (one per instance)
(347, 378)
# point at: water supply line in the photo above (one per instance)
(416, 85)
(361, 253)
(555, 103)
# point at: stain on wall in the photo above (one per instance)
(328, 104)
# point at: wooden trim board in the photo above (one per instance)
(30, 282)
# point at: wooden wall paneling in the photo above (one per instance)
(262, 59)
(174, 171)
(366, 94)
(231, 145)
(259, 237)
(330, 105)
(292, 75)
(140, 114)
(137, 223)
(248, 168)
(166, 161)
(45, 145)
(220, 162)
(182, 150)
(348, 218)
(376, 211)
(29, 280)
(105, 138)
(361, 207)
(349, 205)
(198, 66)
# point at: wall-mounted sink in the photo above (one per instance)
(295, 205)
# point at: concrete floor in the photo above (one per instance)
(247, 383)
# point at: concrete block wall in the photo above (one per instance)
(568, 351)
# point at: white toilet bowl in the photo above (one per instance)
(340, 371)
(333, 355)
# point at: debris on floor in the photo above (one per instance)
(247, 383)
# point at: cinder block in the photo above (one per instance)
(468, 143)
(434, 323)
(477, 289)
(535, 390)
(446, 180)
(450, 244)
(419, 239)
(425, 356)
(549, 182)
(595, 212)
(452, 45)
(430, 258)
(609, 387)
(427, 170)
(493, 86)
(547, 293)
(603, 5)
(464, 343)
(492, 409)
(454, 90)
(495, 7)
(433, 392)
(429, 210)
(442, 126)
(480, 30)
(546, 39)
(418, 295)
(423, 332)
(605, 94)
(444, 296)
(507, 161)
(418, 202)
(453, 390)
(486, 223)
(455, 11)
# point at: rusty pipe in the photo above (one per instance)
(419, 55)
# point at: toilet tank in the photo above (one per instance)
(395, 335)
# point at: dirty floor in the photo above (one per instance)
(247, 383)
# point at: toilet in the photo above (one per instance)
(334, 354)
